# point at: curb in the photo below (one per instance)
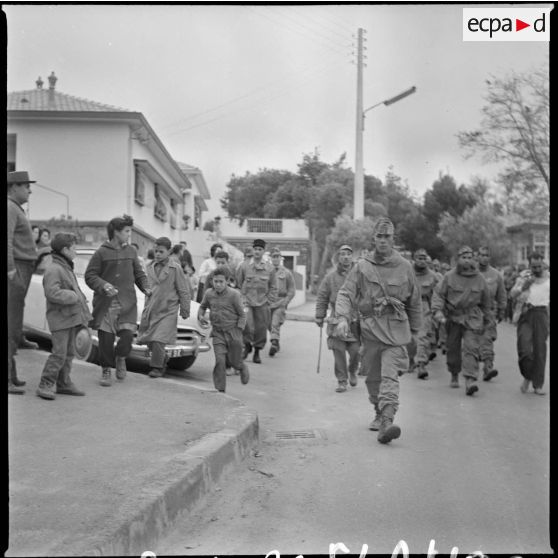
(144, 517)
(298, 317)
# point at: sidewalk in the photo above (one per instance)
(107, 474)
(305, 312)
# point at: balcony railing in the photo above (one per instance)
(264, 226)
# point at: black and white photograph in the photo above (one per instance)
(278, 279)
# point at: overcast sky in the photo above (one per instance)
(231, 89)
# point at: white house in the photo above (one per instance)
(94, 161)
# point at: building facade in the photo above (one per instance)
(527, 238)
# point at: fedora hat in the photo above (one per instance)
(19, 177)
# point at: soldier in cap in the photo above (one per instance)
(462, 302)
(22, 254)
(383, 289)
(257, 283)
(339, 343)
(498, 297)
(427, 281)
(285, 293)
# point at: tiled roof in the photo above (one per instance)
(51, 100)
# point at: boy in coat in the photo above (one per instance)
(170, 294)
(228, 320)
(66, 313)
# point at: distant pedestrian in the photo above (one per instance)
(44, 239)
(498, 300)
(222, 263)
(36, 230)
(206, 267)
(186, 257)
(170, 295)
(347, 342)
(285, 293)
(228, 320)
(462, 303)
(383, 289)
(22, 255)
(421, 353)
(112, 273)
(257, 283)
(531, 294)
(66, 313)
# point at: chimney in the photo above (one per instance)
(52, 81)
(39, 83)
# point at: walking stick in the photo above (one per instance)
(320, 350)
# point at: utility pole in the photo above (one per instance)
(358, 194)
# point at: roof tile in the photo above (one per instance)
(49, 100)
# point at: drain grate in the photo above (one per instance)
(299, 434)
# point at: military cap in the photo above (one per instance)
(275, 252)
(345, 247)
(384, 226)
(464, 250)
(258, 242)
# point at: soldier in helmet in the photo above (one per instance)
(383, 289)
(462, 302)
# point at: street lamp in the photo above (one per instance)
(61, 194)
(358, 212)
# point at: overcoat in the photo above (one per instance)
(170, 292)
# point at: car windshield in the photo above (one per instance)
(80, 264)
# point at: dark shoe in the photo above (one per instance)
(432, 356)
(155, 373)
(471, 386)
(26, 344)
(17, 382)
(489, 375)
(341, 387)
(388, 431)
(454, 382)
(221, 390)
(244, 374)
(352, 379)
(120, 367)
(46, 391)
(256, 358)
(422, 373)
(69, 390)
(247, 350)
(106, 377)
(12, 388)
(273, 349)
(524, 387)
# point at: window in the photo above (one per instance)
(11, 158)
(139, 187)
(265, 225)
(160, 209)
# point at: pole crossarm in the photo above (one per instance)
(57, 192)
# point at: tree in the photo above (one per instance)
(476, 227)
(515, 131)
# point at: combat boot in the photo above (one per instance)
(471, 386)
(120, 367)
(422, 373)
(454, 382)
(256, 358)
(388, 431)
(106, 378)
(274, 347)
(375, 424)
(247, 350)
(489, 371)
(341, 387)
(353, 378)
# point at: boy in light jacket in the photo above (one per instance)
(66, 312)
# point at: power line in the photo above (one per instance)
(315, 14)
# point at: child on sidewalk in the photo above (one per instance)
(228, 320)
(66, 313)
(169, 294)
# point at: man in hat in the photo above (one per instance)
(339, 343)
(256, 281)
(427, 280)
(285, 293)
(384, 290)
(498, 298)
(462, 302)
(22, 254)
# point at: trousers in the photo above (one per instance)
(257, 323)
(107, 350)
(339, 349)
(463, 346)
(58, 365)
(277, 320)
(227, 346)
(532, 333)
(487, 341)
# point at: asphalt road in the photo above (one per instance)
(470, 473)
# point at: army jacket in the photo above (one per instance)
(387, 296)
(257, 283)
(463, 299)
(285, 287)
(427, 281)
(497, 290)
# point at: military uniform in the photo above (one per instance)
(285, 293)
(498, 298)
(387, 296)
(327, 295)
(464, 300)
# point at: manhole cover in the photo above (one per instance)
(300, 434)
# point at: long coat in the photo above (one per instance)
(170, 292)
(66, 305)
(122, 269)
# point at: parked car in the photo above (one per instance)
(191, 337)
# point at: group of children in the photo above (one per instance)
(68, 312)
